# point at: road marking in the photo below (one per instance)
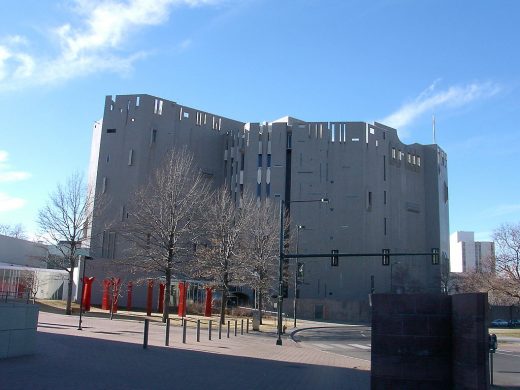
(324, 346)
(359, 346)
(507, 354)
(344, 346)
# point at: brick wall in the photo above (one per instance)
(429, 341)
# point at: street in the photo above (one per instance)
(355, 342)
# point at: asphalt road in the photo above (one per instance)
(352, 341)
(355, 342)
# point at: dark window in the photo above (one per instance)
(268, 161)
(259, 161)
(111, 131)
(153, 136)
(258, 190)
(268, 190)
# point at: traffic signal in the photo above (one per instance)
(435, 256)
(334, 259)
(386, 257)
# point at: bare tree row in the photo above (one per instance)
(178, 227)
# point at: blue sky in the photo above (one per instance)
(395, 61)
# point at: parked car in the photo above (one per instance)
(514, 324)
(499, 323)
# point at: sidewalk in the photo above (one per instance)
(109, 354)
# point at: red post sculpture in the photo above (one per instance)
(87, 292)
(160, 304)
(105, 305)
(116, 283)
(129, 296)
(209, 297)
(182, 299)
(149, 298)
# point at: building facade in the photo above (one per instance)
(382, 194)
(468, 255)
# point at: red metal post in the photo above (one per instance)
(160, 304)
(105, 305)
(87, 292)
(180, 310)
(209, 297)
(149, 298)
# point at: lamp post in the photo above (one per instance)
(296, 271)
(280, 264)
(85, 258)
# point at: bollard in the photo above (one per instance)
(235, 328)
(209, 330)
(198, 331)
(228, 326)
(247, 325)
(219, 329)
(167, 341)
(184, 332)
(145, 341)
(242, 327)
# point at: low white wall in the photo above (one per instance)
(18, 322)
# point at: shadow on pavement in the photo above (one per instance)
(64, 362)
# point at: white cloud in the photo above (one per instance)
(94, 45)
(9, 203)
(430, 100)
(6, 174)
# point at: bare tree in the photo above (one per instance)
(15, 231)
(31, 282)
(507, 260)
(63, 223)
(262, 245)
(499, 275)
(164, 220)
(222, 255)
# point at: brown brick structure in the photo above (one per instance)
(429, 341)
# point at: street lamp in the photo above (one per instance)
(85, 258)
(296, 271)
(280, 264)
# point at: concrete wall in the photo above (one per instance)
(430, 341)
(382, 193)
(21, 252)
(18, 323)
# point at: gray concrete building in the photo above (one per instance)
(382, 194)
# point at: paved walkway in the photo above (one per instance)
(108, 354)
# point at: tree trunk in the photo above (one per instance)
(166, 301)
(260, 306)
(223, 306)
(68, 310)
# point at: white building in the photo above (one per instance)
(466, 254)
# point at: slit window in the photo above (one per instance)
(153, 136)
(111, 131)
(418, 161)
(131, 157)
(393, 153)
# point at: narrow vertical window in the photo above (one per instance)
(418, 161)
(131, 157)
(153, 136)
(393, 153)
(259, 161)
(384, 197)
(384, 168)
(385, 226)
(104, 185)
